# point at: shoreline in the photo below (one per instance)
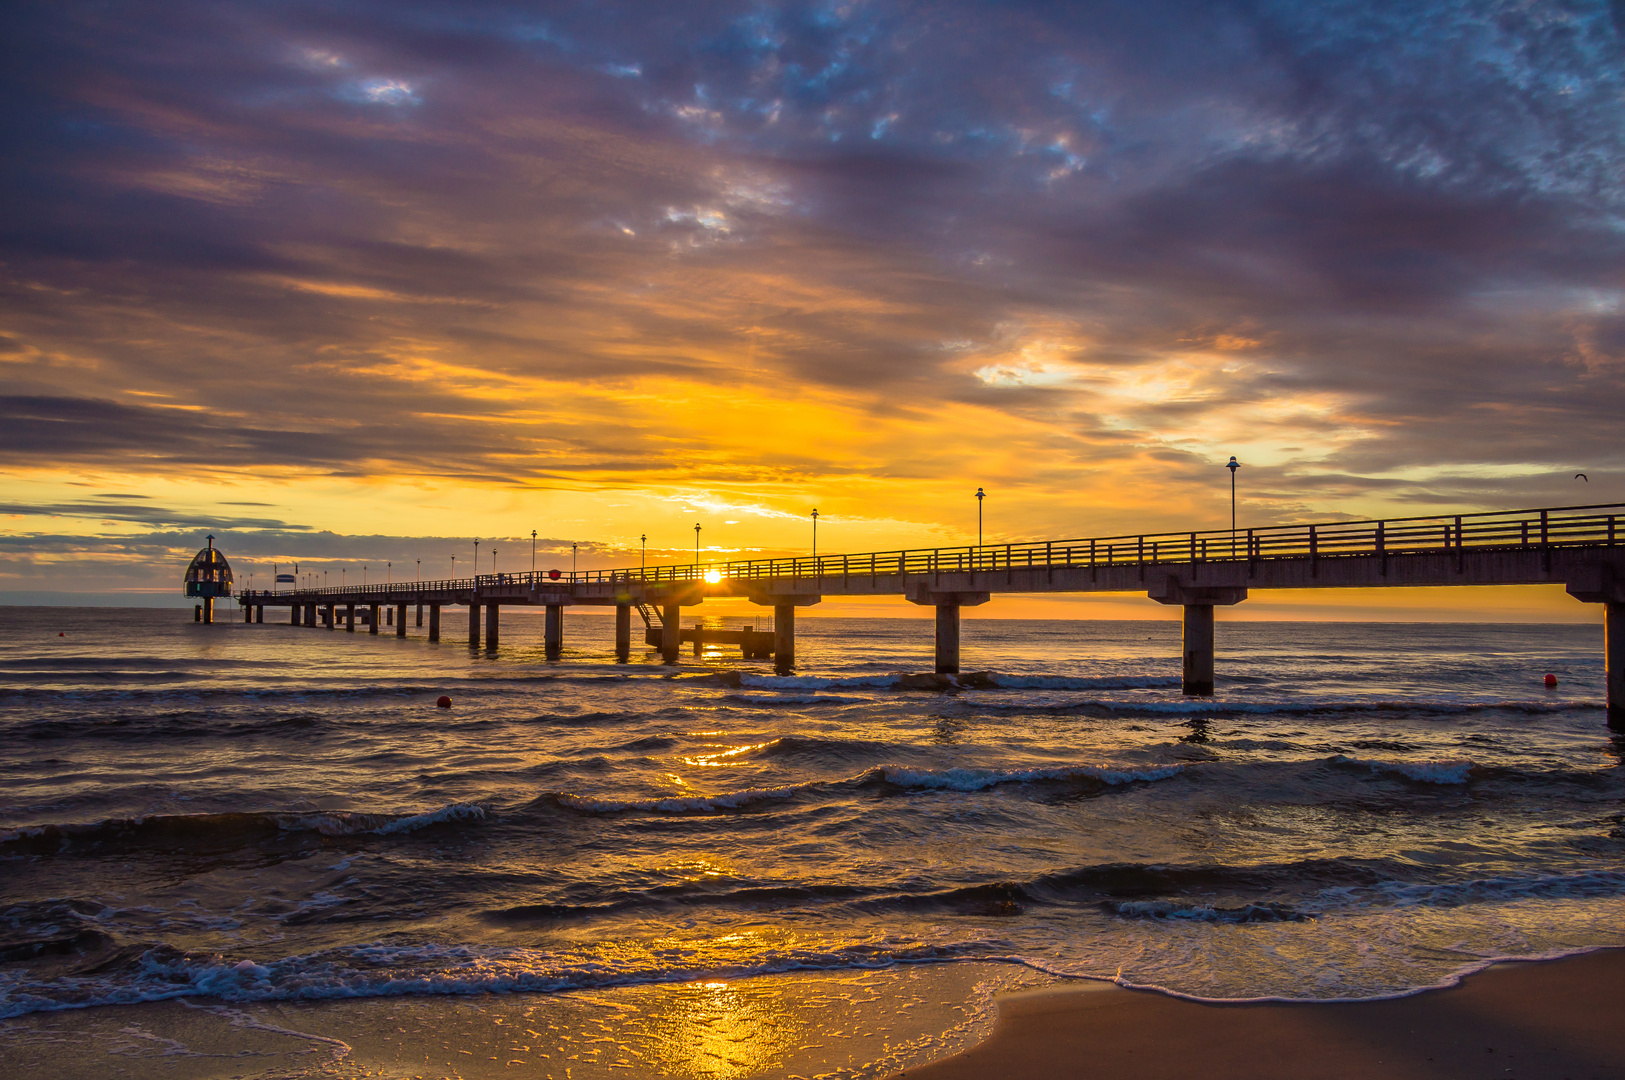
(1549, 1018)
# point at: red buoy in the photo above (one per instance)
(1551, 680)
(443, 701)
(59, 633)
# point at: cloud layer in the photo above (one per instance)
(856, 255)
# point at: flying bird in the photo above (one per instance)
(1582, 476)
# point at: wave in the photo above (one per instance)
(1211, 913)
(683, 804)
(980, 779)
(377, 970)
(1455, 771)
(169, 832)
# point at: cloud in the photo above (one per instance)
(757, 253)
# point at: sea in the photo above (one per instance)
(246, 813)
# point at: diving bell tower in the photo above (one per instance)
(208, 575)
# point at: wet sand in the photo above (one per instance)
(1557, 1020)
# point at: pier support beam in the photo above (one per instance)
(1199, 601)
(491, 616)
(553, 631)
(400, 620)
(784, 624)
(296, 614)
(349, 618)
(328, 616)
(434, 622)
(784, 638)
(1196, 677)
(248, 613)
(947, 605)
(947, 639)
(671, 640)
(473, 624)
(1605, 585)
(208, 609)
(259, 613)
(623, 633)
(1614, 652)
(372, 619)
(420, 616)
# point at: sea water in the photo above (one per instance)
(262, 813)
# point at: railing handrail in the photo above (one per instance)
(1480, 530)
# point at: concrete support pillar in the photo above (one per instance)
(389, 617)
(671, 641)
(473, 624)
(349, 618)
(248, 613)
(947, 639)
(197, 613)
(400, 620)
(330, 616)
(296, 614)
(259, 613)
(623, 633)
(372, 619)
(1614, 658)
(553, 631)
(491, 611)
(420, 615)
(1198, 674)
(434, 622)
(784, 638)
(208, 609)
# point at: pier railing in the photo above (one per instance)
(1551, 527)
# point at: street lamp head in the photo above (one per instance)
(1233, 465)
(980, 494)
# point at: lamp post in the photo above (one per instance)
(643, 556)
(1233, 466)
(533, 551)
(363, 575)
(815, 532)
(980, 495)
(344, 572)
(696, 547)
(493, 560)
(389, 573)
(420, 569)
(573, 550)
(454, 568)
(476, 557)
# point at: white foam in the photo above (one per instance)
(978, 779)
(1453, 771)
(682, 804)
(348, 823)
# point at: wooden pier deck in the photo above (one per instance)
(1577, 547)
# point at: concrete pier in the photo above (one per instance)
(474, 624)
(671, 633)
(434, 622)
(372, 619)
(948, 639)
(784, 638)
(1614, 653)
(553, 631)
(330, 616)
(400, 620)
(1197, 642)
(420, 616)
(623, 633)
(492, 613)
(349, 618)
(259, 613)
(208, 609)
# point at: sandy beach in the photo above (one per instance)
(1556, 1020)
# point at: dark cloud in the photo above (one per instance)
(341, 237)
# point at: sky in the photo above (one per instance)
(349, 284)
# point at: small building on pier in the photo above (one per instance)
(208, 576)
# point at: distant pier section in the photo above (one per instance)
(1573, 546)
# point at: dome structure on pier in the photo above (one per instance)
(208, 574)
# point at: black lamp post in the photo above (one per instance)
(980, 495)
(533, 551)
(815, 532)
(696, 547)
(1233, 466)
(643, 557)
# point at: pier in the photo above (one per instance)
(1572, 546)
